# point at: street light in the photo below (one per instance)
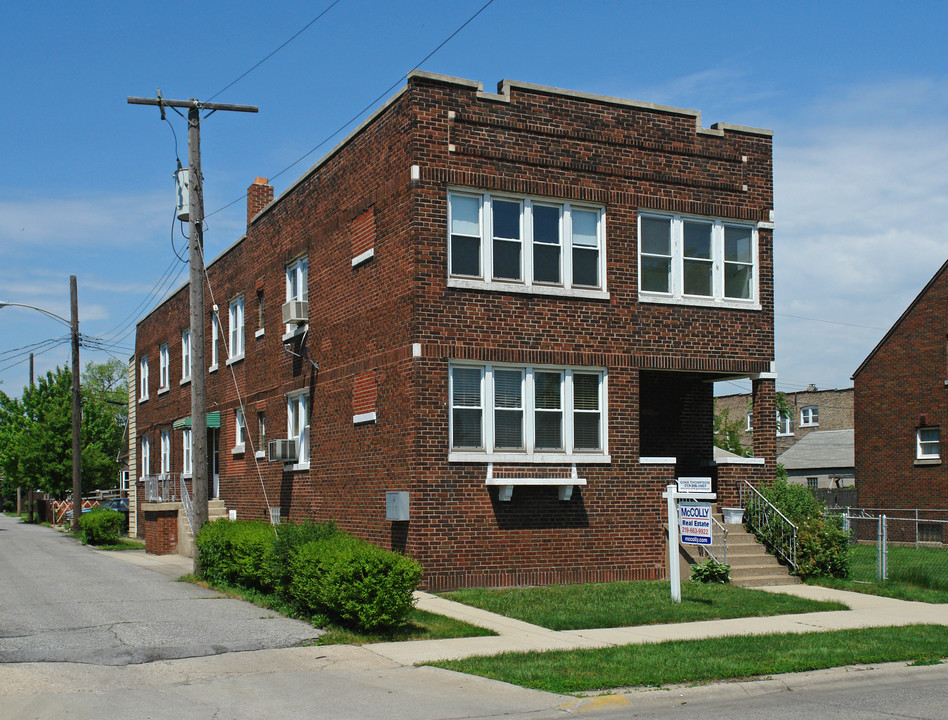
(76, 411)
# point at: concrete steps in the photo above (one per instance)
(751, 565)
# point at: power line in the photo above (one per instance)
(365, 109)
(267, 57)
(830, 322)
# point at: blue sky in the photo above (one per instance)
(856, 93)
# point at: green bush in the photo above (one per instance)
(355, 581)
(236, 552)
(823, 549)
(289, 537)
(794, 500)
(100, 527)
(711, 571)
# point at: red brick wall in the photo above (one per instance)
(899, 388)
(395, 318)
(161, 531)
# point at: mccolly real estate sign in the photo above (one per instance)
(695, 521)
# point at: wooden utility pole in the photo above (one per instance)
(76, 407)
(199, 477)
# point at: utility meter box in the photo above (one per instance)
(396, 506)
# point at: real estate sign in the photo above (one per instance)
(695, 522)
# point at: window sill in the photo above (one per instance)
(235, 359)
(295, 467)
(259, 333)
(535, 458)
(141, 400)
(363, 257)
(186, 476)
(298, 330)
(185, 380)
(550, 290)
(162, 391)
(809, 425)
(260, 454)
(927, 461)
(213, 368)
(647, 297)
(238, 450)
(363, 418)
(658, 460)
(740, 461)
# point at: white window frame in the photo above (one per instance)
(928, 449)
(164, 372)
(187, 450)
(675, 293)
(240, 431)
(165, 457)
(750, 422)
(810, 416)
(297, 288)
(529, 454)
(215, 339)
(146, 456)
(235, 330)
(784, 424)
(297, 425)
(143, 379)
(526, 283)
(261, 434)
(185, 355)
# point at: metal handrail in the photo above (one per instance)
(719, 532)
(769, 524)
(188, 507)
(160, 488)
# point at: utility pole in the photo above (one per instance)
(76, 408)
(199, 478)
(19, 490)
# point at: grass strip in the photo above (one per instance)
(698, 661)
(122, 544)
(420, 625)
(888, 588)
(624, 604)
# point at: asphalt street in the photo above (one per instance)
(62, 602)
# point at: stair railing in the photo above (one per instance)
(188, 507)
(717, 550)
(769, 524)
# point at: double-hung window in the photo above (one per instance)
(186, 449)
(784, 422)
(146, 456)
(163, 373)
(165, 452)
(810, 416)
(297, 287)
(520, 244)
(928, 443)
(240, 431)
(215, 335)
(143, 379)
(236, 329)
(509, 413)
(698, 261)
(185, 355)
(297, 424)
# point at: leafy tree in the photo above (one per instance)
(727, 433)
(36, 434)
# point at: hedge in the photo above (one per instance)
(237, 552)
(101, 526)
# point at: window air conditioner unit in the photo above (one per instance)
(295, 312)
(283, 450)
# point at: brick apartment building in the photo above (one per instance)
(901, 408)
(511, 306)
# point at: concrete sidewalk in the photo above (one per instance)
(518, 636)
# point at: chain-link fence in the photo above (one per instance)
(906, 545)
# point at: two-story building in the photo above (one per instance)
(511, 306)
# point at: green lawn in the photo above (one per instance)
(623, 604)
(699, 661)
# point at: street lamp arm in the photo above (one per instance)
(53, 315)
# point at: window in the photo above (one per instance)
(215, 323)
(261, 434)
(813, 483)
(186, 452)
(527, 414)
(165, 452)
(928, 442)
(297, 424)
(810, 416)
(163, 381)
(525, 245)
(236, 329)
(185, 355)
(143, 379)
(146, 456)
(240, 431)
(697, 261)
(750, 423)
(784, 423)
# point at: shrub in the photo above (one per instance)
(795, 501)
(355, 581)
(236, 552)
(289, 537)
(100, 527)
(711, 571)
(823, 549)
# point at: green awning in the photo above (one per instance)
(213, 421)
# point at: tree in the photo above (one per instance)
(36, 432)
(727, 433)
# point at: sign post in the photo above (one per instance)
(695, 522)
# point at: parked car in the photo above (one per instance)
(119, 505)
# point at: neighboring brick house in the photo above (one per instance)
(901, 392)
(516, 306)
(812, 410)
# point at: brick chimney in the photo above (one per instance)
(259, 195)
